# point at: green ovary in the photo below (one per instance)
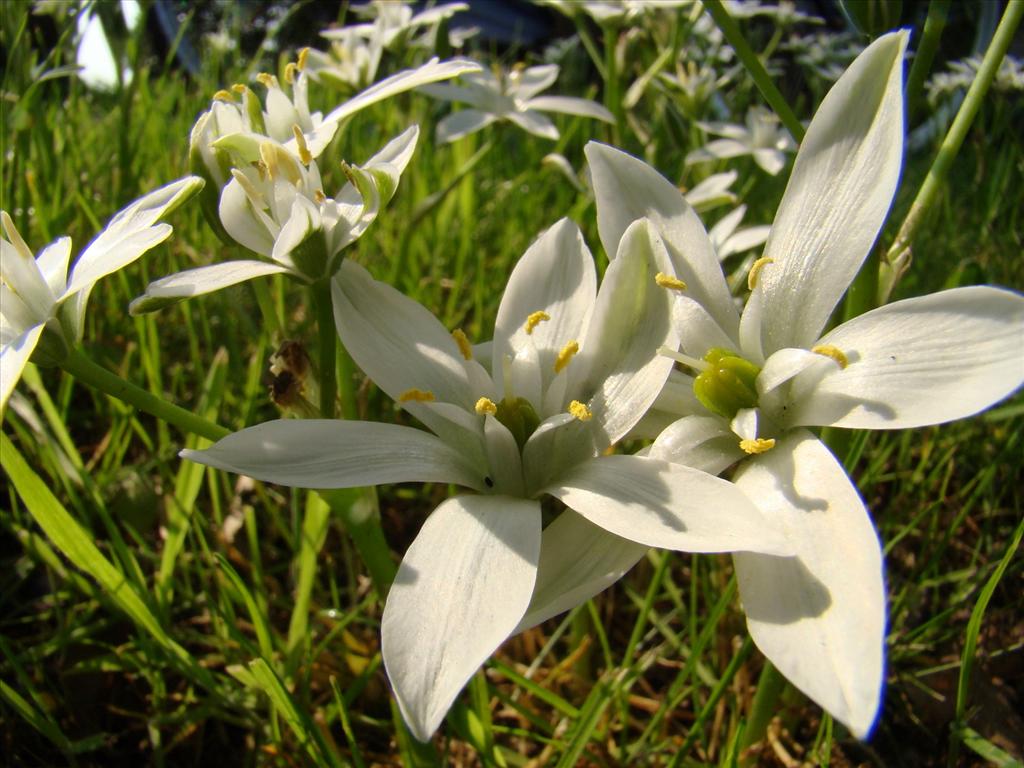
(727, 384)
(520, 418)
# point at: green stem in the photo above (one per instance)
(938, 11)
(754, 66)
(327, 340)
(612, 90)
(770, 686)
(898, 257)
(98, 377)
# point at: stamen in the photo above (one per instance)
(464, 346)
(300, 139)
(223, 95)
(679, 357)
(239, 88)
(758, 445)
(279, 160)
(319, 197)
(535, 319)
(486, 406)
(755, 270)
(580, 411)
(303, 55)
(254, 195)
(670, 282)
(834, 352)
(566, 355)
(268, 80)
(416, 396)
(289, 72)
(269, 158)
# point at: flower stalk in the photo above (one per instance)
(746, 54)
(98, 377)
(897, 259)
(327, 340)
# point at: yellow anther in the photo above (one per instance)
(319, 197)
(485, 406)
(670, 282)
(303, 55)
(416, 396)
(535, 319)
(759, 445)
(239, 88)
(254, 195)
(262, 169)
(566, 355)
(300, 139)
(223, 95)
(267, 80)
(464, 346)
(278, 160)
(834, 352)
(755, 270)
(580, 411)
(289, 72)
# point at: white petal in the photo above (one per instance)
(328, 453)
(837, 198)
(462, 123)
(701, 442)
(659, 504)
(13, 358)
(53, 264)
(431, 72)
(196, 282)
(744, 240)
(577, 561)
(22, 275)
(627, 189)
(556, 275)
(504, 459)
(771, 160)
(560, 442)
(533, 80)
(303, 223)
(729, 130)
(241, 222)
(461, 590)
(535, 123)
(819, 616)
(396, 341)
(569, 105)
(618, 371)
(922, 361)
(719, 149)
(130, 233)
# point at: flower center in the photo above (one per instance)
(727, 383)
(518, 416)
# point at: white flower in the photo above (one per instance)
(509, 96)
(763, 137)
(615, 11)
(760, 380)
(392, 20)
(356, 49)
(276, 207)
(573, 369)
(729, 239)
(39, 294)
